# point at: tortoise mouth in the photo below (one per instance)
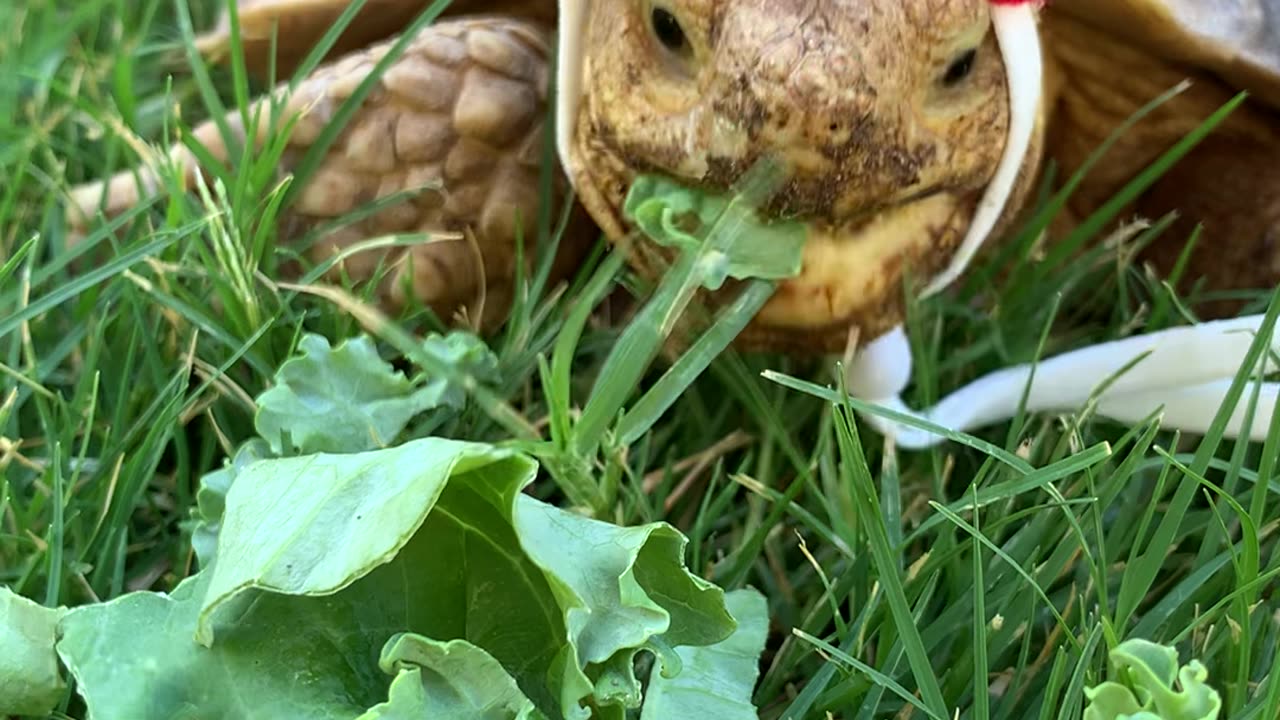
(854, 268)
(858, 267)
(854, 272)
(869, 218)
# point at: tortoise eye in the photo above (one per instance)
(668, 30)
(960, 68)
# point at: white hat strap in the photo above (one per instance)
(569, 62)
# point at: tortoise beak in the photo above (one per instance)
(1019, 38)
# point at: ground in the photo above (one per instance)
(130, 368)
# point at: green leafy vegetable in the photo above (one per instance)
(1143, 687)
(619, 589)
(347, 399)
(418, 536)
(448, 680)
(212, 495)
(30, 683)
(389, 583)
(468, 353)
(361, 509)
(134, 658)
(666, 211)
(715, 238)
(716, 680)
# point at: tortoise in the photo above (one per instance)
(910, 130)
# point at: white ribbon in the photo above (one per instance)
(569, 61)
(1185, 370)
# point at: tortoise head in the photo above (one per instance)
(889, 119)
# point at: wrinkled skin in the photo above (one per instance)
(888, 119)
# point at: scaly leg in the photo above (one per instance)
(462, 109)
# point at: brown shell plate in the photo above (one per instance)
(1238, 40)
(297, 25)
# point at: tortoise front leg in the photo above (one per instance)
(463, 110)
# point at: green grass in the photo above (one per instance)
(986, 578)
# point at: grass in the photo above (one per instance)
(984, 579)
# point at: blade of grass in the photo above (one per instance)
(1074, 695)
(876, 676)
(833, 396)
(1140, 574)
(651, 406)
(869, 515)
(980, 538)
(981, 666)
